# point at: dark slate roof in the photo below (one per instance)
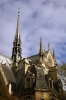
(8, 73)
(9, 76)
(41, 79)
(20, 81)
(34, 58)
(40, 83)
(19, 77)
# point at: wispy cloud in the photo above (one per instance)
(38, 18)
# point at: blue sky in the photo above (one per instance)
(38, 18)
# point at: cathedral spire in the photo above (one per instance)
(54, 53)
(41, 46)
(41, 51)
(16, 52)
(54, 56)
(17, 35)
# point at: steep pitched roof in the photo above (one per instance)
(5, 56)
(6, 71)
(5, 59)
(40, 77)
(34, 58)
(19, 77)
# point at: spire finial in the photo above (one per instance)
(48, 46)
(41, 46)
(18, 26)
(54, 56)
(18, 11)
(53, 53)
(41, 40)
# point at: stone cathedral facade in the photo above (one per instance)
(32, 78)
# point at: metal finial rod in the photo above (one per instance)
(18, 10)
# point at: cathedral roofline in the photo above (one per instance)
(5, 56)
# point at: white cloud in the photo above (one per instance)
(38, 18)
